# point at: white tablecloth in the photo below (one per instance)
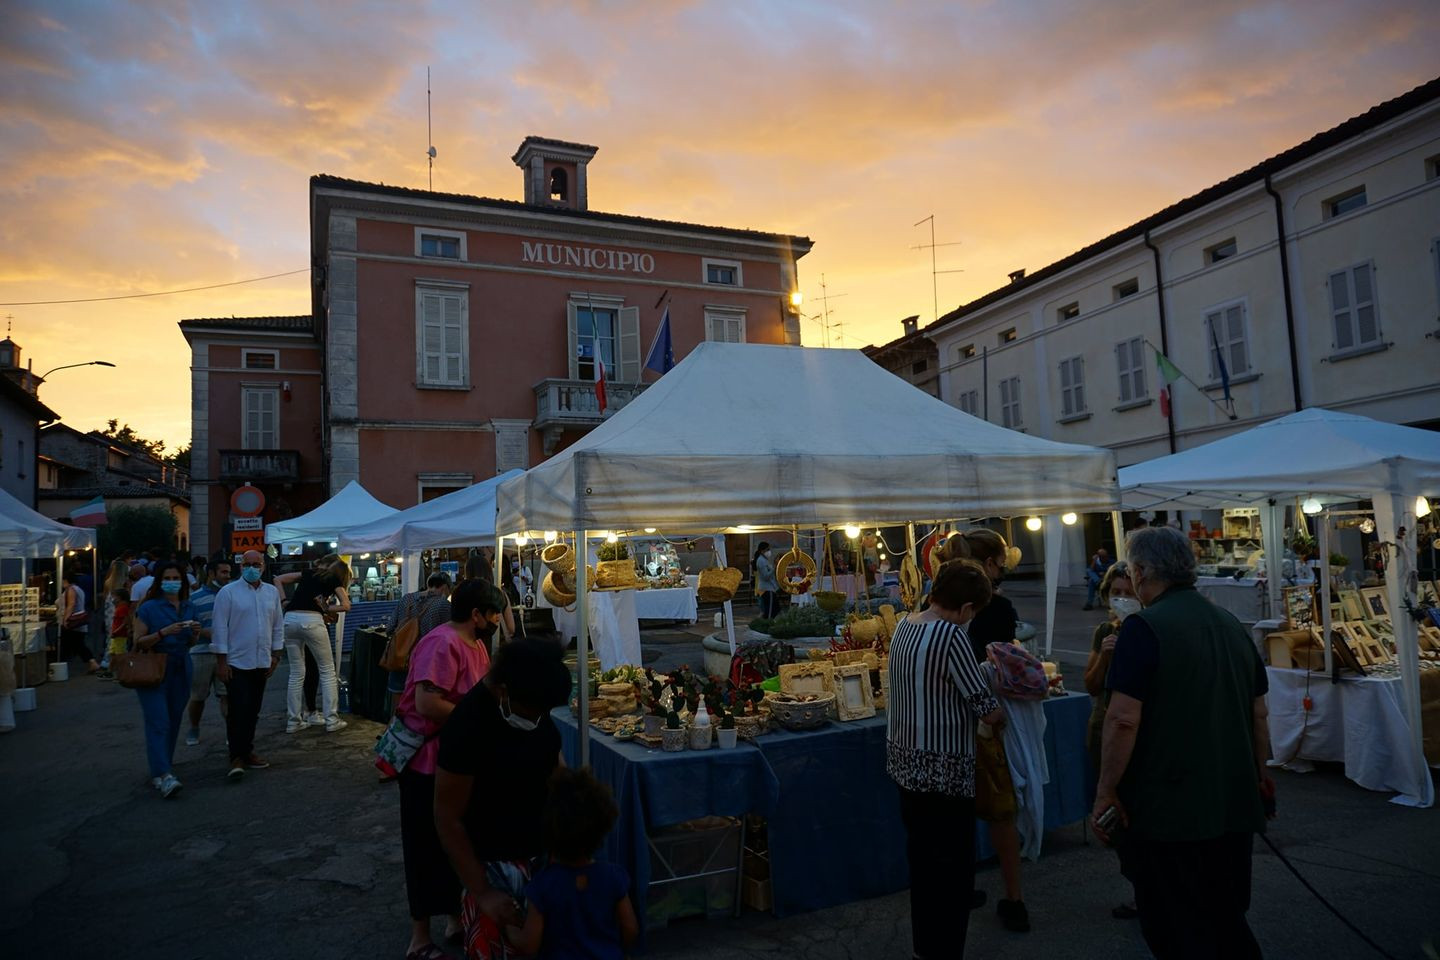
(1245, 598)
(614, 628)
(18, 642)
(677, 603)
(1359, 722)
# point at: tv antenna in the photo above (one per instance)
(825, 297)
(429, 132)
(934, 273)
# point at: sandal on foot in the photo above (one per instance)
(427, 952)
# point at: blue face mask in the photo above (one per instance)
(170, 586)
(251, 574)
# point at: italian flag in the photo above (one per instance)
(1169, 373)
(599, 380)
(91, 514)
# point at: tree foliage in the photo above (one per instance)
(137, 528)
(126, 435)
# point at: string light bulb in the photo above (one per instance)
(611, 537)
(1367, 525)
(1422, 507)
(521, 540)
(551, 536)
(1311, 506)
(1069, 519)
(1033, 523)
(852, 531)
(649, 529)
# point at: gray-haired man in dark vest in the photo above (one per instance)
(1183, 757)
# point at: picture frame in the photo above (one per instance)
(1340, 648)
(844, 658)
(1352, 605)
(813, 677)
(1377, 603)
(1426, 591)
(1368, 642)
(1301, 606)
(854, 699)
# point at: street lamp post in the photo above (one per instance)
(87, 363)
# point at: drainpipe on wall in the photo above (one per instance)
(1164, 332)
(1285, 285)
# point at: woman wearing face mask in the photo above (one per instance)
(937, 693)
(446, 664)
(995, 623)
(166, 624)
(496, 756)
(766, 586)
(1117, 592)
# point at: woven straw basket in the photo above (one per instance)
(556, 590)
(831, 601)
(717, 585)
(560, 558)
(614, 573)
(866, 629)
(792, 559)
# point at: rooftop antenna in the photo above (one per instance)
(934, 282)
(825, 297)
(429, 131)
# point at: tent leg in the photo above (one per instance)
(1395, 524)
(1272, 534)
(582, 643)
(1323, 575)
(719, 543)
(59, 578)
(1117, 527)
(1054, 541)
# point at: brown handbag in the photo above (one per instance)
(138, 669)
(396, 657)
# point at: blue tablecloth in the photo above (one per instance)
(834, 816)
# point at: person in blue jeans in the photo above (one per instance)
(577, 907)
(170, 623)
(1094, 574)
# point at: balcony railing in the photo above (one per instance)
(260, 465)
(572, 403)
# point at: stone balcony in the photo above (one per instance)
(275, 466)
(571, 405)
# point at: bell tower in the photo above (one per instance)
(554, 172)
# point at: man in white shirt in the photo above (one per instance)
(140, 581)
(247, 635)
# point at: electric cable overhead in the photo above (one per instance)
(157, 293)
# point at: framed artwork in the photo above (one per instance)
(1368, 642)
(1340, 648)
(844, 658)
(1353, 644)
(1426, 592)
(1377, 603)
(1352, 604)
(1300, 606)
(813, 677)
(854, 700)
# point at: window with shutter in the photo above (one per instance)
(261, 427)
(725, 327)
(1010, 403)
(1072, 387)
(1130, 365)
(442, 337)
(1352, 304)
(970, 402)
(604, 326)
(1225, 336)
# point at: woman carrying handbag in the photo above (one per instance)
(166, 623)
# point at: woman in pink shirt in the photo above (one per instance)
(445, 664)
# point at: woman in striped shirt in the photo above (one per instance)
(937, 693)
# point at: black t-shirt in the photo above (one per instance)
(511, 769)
(311, 586)
(995, 623)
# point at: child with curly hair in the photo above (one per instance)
(578, 907)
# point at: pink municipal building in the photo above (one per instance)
(454, 337)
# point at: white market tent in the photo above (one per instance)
(351, 507)
(1331, 456)
(25, 533)
(459, 519)
(748, 435)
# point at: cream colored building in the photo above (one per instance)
(1344, 314)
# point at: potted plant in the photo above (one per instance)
(1338, 563)
(727, 733)
(1304, 546)
(613, 551)
(673, 735)
(749, 723)
(654, 706)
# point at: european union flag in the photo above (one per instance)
(662, 355)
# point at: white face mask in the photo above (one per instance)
(1123, 607)
(515, 720)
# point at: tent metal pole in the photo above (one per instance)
(59, 579)
(1322, 573)
(1395, 523)
(1117, 527)
(582, 643)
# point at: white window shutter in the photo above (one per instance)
(628, 345)
(1239, 354)
(1137, 370)
(1077, 376)
(572, 340)
(1340, 306)
(1212, 337)
(1367, 328)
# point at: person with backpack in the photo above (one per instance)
(417, 613)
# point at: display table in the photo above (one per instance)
(32, 639)
(1359, 722)
(614, 626)
(1246, 598)
(675, 603)
(817, 788)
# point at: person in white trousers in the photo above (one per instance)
(320, 593)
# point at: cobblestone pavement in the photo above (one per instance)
(303, 860)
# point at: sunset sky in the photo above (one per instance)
(156, 146)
